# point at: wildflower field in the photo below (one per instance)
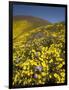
(38, 53)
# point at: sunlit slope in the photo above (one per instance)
(24, 24)
(48, 34)
(38, 53)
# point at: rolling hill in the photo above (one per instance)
(24, 24)
(38, 51)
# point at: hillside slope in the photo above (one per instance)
(22, 24)
(38, 52)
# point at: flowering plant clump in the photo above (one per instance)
(40, 57)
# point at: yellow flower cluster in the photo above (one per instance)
(40, 61)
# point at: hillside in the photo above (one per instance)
(38, 51)
(22, 24)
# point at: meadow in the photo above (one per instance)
(38, 52)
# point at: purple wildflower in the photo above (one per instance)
(38, 68)
(35, 76)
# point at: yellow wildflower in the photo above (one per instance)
(50, 76)
(43, 64)
(40, 81)
(51, 61)
(60, 65)
(33, 50)
(39, 76)
(55, 75)
(43, 74)
(62, 74)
